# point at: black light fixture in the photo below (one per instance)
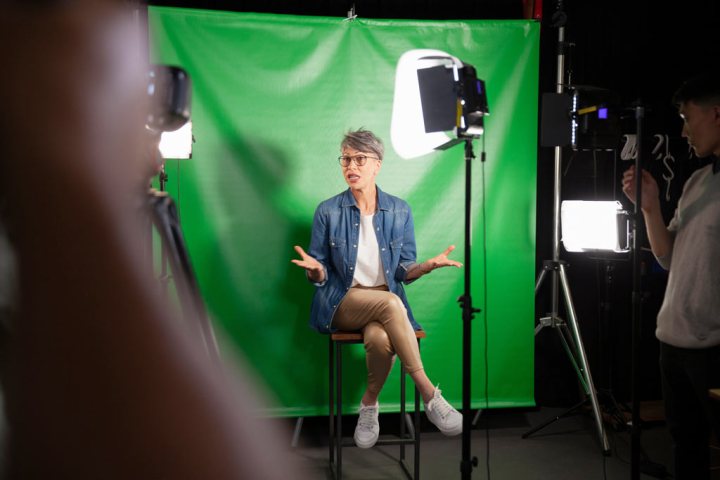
(169, 88)
(438, 102)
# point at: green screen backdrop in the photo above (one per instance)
(272, 97)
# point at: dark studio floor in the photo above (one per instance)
(565, 449)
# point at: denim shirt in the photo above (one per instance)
(334, 242)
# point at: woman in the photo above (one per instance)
(361, 252)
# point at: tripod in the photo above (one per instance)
(568, 332)
(164, 217)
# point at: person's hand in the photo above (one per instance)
(650, 191)
(314, 269)
(442, 260)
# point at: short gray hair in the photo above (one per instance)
(363, 141)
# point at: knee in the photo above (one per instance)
(377, 340)
(394, 308)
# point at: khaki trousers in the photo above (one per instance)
(383, 319)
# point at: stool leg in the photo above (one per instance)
(338, 423)
(416, 460)
(402, 410)
(331, 404)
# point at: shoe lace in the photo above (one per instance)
(440, 405)
(367, 418)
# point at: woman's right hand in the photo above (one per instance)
(314, 269)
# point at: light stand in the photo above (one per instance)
(164, 276)
(468, 312)
(169, 90)
(636, 300)
(615, 409)
(449, 96)
(173, 251)
(570, 337)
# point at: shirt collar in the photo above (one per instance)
(383, 199)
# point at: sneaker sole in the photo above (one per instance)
(360, 444)
(451, 432)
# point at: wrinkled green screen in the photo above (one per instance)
(272, 97)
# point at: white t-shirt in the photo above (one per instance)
(689, 317)
(368, 269)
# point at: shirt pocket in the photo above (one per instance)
(396, 244)
(337, 243)
(338, 252)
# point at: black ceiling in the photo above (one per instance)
(420, 9)
(636, 47)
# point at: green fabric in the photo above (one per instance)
(272, 97)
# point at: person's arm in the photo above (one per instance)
(408, 251)
(314, 269)
(439, 261)
(103, 378)
(660, 238)
(316, 260)
(408, 269)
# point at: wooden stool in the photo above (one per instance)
(337, 340)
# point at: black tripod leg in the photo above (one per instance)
(567, 412)
(166, 220)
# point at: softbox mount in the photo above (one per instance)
(583, 117)
(439, 101)
(453, 99)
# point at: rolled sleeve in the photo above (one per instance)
(408, 251)
(664, 260)
(319, 284)
(319, 245)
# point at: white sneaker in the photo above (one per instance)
(368, 427)
(443, 415)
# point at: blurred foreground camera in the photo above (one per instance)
(169, 90)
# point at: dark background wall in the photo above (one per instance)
(639, 50)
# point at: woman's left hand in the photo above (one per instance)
(441, 260)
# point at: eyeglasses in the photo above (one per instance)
(359, 160)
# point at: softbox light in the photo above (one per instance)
(438, 101)
(594, 226)
(178, 143)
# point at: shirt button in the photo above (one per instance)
(383, 249)
(387, 271)
(378, 229)
(354, 246)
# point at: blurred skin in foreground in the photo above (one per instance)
(101, 378)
